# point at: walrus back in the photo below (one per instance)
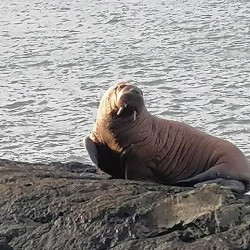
(180, 151)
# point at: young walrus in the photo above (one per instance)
(129, 142)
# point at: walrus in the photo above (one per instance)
(128, 142)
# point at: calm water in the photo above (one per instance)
(57, 57)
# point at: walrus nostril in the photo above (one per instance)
(136, 91)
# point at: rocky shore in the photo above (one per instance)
(70, 206)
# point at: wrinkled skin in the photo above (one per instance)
(128, 142)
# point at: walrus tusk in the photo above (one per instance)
(135, 115)
(121, 109)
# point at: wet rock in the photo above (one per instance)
(70, 206)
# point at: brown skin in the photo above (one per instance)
(128, 142)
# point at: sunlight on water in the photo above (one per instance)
(191, 58)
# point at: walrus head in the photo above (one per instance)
(122, 100)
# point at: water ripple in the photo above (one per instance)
(191, 58)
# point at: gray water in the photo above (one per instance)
(57, 57)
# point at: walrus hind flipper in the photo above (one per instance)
(90, 146)
(217, 174)
(233, 185)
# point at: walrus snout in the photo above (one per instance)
(129, 95)
(136, 91)
(129, 100)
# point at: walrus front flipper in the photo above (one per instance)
(135, 169)
(104, 158)
(90, 145)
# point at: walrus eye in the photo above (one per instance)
(121, 86)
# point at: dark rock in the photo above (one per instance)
(70, 206)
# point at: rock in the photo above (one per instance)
(70, 206)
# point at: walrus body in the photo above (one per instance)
(129, 142)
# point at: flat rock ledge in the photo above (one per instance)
(70, 206)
